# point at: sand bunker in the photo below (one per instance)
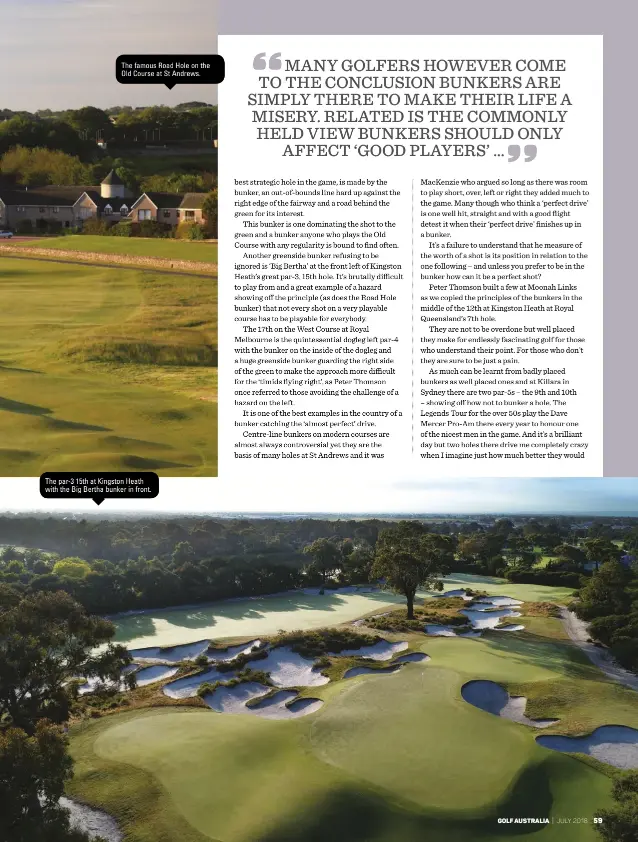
(171, 654)
(439, 631)
(94, 823)
(613, 744)
(353, 672)
(458, 592)
(412, 658)
(231, 652)
(281, 706)
(383, 650)
(486, 619)
(184, 688)
(148, 675)
(233, 699)
(498, 601)
(492, 698)
(289, 669)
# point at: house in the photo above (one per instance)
(69, 207)
(169, 208)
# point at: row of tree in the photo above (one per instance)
(77, 131)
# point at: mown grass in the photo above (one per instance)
(134, 246)
(106, 369)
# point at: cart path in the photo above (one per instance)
(577, 631)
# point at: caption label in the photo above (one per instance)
(99, 487)
(170, 70)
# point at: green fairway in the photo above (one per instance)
(387, 758)
(106, 369)
(135, 246)
(266, 615)
(501, 587)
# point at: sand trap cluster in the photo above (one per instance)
(613, 744)
(171, 654)
(278, 706)
(492, 698)
(486, 612)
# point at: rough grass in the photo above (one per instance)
(135, 246)
(82, 384)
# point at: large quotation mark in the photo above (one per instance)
(515, 152)
(274, 63)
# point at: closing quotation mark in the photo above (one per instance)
(515, 152)
(274, 62)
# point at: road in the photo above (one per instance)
(598, 655)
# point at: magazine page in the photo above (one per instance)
(318, 476)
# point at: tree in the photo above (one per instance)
(326, 558)
(72, 568)
(407, 556)
(33, 770)
(600, 550)
(209, 211)
(620, 822)
(45, 641)
(606, 592)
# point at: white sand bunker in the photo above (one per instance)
(289, 669)
(95, 823)
(231, 652)
(486, 619)
(158, 672)
(498, 600)
(184, 688)
(437, 630)
(382, 650)
(492, 698)
(458, 592)
(353, 672)
(281, 706)
(233, 699)
(412, 658)
(171, 654)
(613, 744)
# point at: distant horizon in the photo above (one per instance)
(366, 495)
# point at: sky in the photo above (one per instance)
(408, 495)
(61, 54)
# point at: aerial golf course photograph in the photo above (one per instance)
(265, 678)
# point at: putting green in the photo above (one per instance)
(267, 615)
(387, 758)
(135, 246)
(93, 372)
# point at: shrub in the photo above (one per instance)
(94, 226)
(150, 228)
(25, 226)
(201, 661)
(316, 644)
(121, 229)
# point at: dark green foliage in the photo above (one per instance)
(620, 822)
(315, 644)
